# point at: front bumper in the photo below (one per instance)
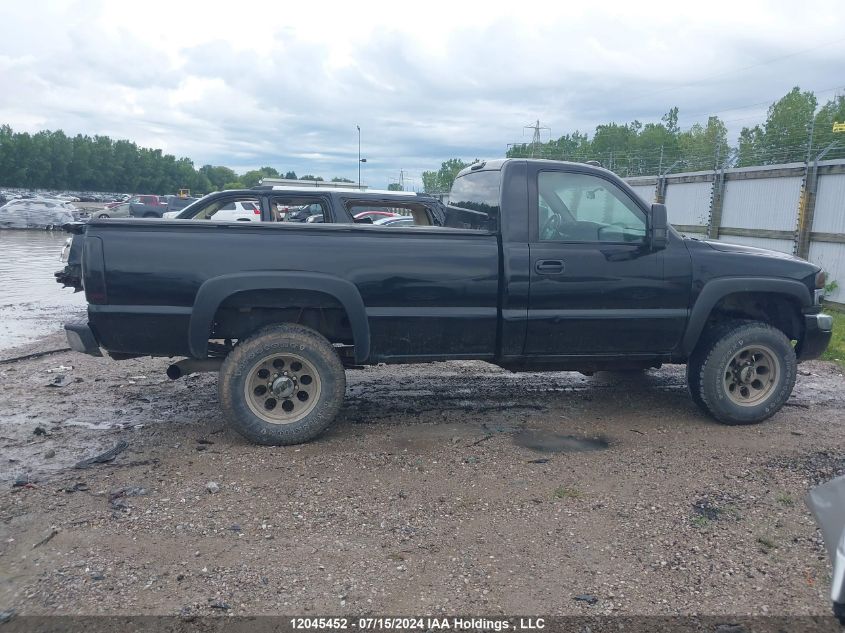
(80, 338)
(817, 331)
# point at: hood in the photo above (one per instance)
(726, 247)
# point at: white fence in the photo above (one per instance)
(793, 208)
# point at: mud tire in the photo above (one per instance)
(292, 339)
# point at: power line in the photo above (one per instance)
(737, 70)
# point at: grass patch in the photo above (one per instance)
(766, 544)
(785, 499)
(568, 493)
(700, 522)
(836, 350)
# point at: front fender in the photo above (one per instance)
(214, 291)
(717, 289)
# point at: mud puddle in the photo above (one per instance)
(551, 442)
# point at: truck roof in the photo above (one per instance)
(498, 163)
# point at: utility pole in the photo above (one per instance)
(535, 141)
(812, 127)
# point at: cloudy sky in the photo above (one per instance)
(246, 83)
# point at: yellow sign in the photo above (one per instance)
(838, 127)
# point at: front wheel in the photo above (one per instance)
(283, 385)
(742, 372)
(103, 216)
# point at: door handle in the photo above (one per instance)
(549, 266)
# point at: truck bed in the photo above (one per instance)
(428, 292)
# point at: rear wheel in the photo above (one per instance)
(742, 372)
(284, 385)
(150, 214)
(103, 216)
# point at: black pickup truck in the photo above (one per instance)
(533, 265)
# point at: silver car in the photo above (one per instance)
(36, 213)
(117, 211)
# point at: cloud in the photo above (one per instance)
(256, 84)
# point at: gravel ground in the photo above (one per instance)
(451, 488)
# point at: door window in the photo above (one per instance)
(584, 208)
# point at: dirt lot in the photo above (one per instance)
(445, 488)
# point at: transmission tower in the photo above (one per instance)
(535, 142)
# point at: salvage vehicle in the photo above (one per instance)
(119, 210)
(534, 266)
(36, 213)
(147, 206)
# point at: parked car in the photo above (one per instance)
(119, 210)
(227, 211)
(147, 206)
(36, 213)
(176, 203)
(375, 215)
(534, 266)
(316, 218)
(303, 212)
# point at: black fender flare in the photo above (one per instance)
(215, 290)
(716, 289)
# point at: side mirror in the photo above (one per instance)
(658, 229)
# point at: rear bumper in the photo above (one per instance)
(80, 338)
(817, 331)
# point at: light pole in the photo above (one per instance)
(360, 160)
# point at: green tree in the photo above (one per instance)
(254, 177)
(831, 112)
(291, 175)
(338, 179)
(786, 130)
(394, 186)
(704, 147)
(218, 175)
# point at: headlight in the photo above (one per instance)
(821, 279)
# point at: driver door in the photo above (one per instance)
(596, 288)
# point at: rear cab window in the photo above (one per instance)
(474, 201)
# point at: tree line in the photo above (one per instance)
(794, 128)
(54, 160)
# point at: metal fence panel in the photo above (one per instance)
(762, 203)
(689, 202)
(784, 246)
(646, 192)
(831, 257)
(830, 205)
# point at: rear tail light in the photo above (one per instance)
(256, 210)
